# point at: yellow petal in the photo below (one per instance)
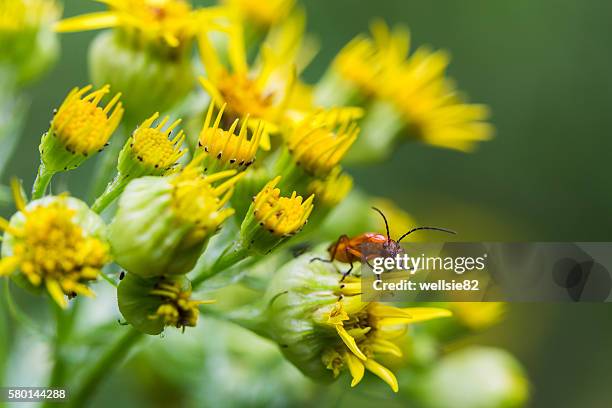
(8, 265)
(356, 368)
(55, 290)
(383, 373)
(92, 21)
(386, 347)
(389, 315)
(350, 342)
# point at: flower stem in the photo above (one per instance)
(110, 358)
(113, 190)
(43, 178)
(230, 257)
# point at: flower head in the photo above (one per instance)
(262, 13)
(323, 325)
(224, 149)
(272, 218)
(80, 128)
(321, 140)
(415, 85)
(152, 304)
(244, 92)
(152, 149)
(55, 243)
(27, 44)
(170, 22)
(163, 224)
(331, 190)
(367, 330)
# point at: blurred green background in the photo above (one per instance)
(544, 68)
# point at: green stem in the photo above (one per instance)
(109, 359)
(43, 178)
(230, 257)
(113, 190)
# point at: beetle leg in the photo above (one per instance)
(347, 273)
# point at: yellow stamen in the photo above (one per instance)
(355, 366)
(281, 216)
(320, 141)
(81, 125)
(152, 147)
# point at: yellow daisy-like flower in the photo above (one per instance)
(416, 85)
(171, 22)
(177, 309)
(18, 15)
(368, 62)
(224, 149)
(478, 315)
(320, 141)
(245, 92)
(366, 330)
(82, 126)
(196, 199)
(281, 216)
(331, 190)
(262, 13)
(152, 146)
(46, 244)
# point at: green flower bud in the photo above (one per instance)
(149, 152)
(322, 326)
(151, 304)
(272, 219)
(29, 46)
(150, 82)
(474, 377)
(163, 224)
(80, 129)
(56, 243)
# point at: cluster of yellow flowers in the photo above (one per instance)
(265, 160)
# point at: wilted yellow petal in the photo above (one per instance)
(383, 373)
(350, 342)
(356, 368)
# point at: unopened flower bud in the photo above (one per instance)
(163, 223)
(151, 304)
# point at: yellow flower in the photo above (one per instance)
(82, 126)
(416, 85)
(151, 145)
(163, 224)
(224, 149)
(54, 244)
(281, 216)
(79, 129)
(320, 141)
(478, 315)
(171, 22)
(367, 62)
(331, 190)
(262, 13)
(149, 152)
(177, 309)
(367, 330)
(244, 92)
(197, 201)
(19, 15)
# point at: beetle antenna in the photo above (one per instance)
(426, 228)
(386, 223)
